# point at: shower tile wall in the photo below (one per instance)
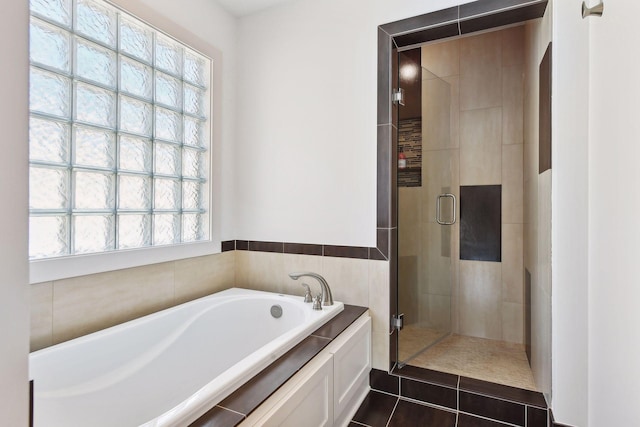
(537, 208)
(485, 147)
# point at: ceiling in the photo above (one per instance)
(247, 7)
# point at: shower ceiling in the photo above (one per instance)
(247, 7)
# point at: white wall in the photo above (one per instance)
(306, 125)
(14, 308)
(614, 206)
(570, 86)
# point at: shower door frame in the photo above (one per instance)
(429, 221)
(455, 21)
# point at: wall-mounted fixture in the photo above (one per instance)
(398, 96)
(596, 10)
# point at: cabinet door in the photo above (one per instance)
(309, 404)
(351, 365)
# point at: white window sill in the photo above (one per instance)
(46, 270)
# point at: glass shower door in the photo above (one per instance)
(426, 214)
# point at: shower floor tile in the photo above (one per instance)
(489, 360)
(413, 338)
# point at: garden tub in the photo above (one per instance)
(168, 368)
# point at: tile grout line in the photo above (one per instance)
(427, 404)
(501, 423)
(231, 410)
(320, 336)
(504, 399)
(392, 411)
(385, 392)
(458, 396)
(431, 383)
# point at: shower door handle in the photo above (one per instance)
(438, 216)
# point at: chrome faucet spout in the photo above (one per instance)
(327, 298)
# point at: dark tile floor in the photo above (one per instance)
(433, 399)
(384, 410)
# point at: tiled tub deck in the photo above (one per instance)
(242, 402)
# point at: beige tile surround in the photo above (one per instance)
(69, 308)
(353, 281)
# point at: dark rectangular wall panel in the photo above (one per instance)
(481, 223)
(545, 112)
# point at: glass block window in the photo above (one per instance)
(118, 132)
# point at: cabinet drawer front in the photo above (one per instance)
(351, 364)
(310, 403)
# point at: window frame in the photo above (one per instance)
(49, 269)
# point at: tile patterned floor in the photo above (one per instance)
(383, 410)
(434, 399)
(496, 361)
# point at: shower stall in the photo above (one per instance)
(461, 221)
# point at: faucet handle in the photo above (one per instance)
(317, 302)
(307, 295)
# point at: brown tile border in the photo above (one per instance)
(503, 17)
(258, 389)
(438, 395)
(488, 407)
(218, 417)
(528, 397)
(277, 247)
(228, 245)
(346, 252)
(382, 381)
(341, 322)
(427, 375)
(31, 403)
(302, 249)
(355, 252)
(463, 19)
(239, 404)
(375, 254)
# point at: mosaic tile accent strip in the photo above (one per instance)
(410, 142)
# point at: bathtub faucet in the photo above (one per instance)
(327, 298)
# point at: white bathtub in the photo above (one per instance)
(168, 368)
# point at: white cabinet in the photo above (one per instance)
(310, 403)
(328, 390)
(351, 365)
